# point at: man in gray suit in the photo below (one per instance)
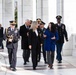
(12, 37)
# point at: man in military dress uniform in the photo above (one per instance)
(12, 37)
(38, 20)
(61, 28)
(42, 30)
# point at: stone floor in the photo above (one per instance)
(67, 67)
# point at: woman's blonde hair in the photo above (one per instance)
(33, 25)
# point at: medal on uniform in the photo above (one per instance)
(16, 31)
(10, 38)
(62, 27)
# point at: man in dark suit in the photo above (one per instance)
(39, 31)
(1, 37)
(61, 28)
(24, 29)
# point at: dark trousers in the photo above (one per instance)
(50, 57)
(1, 43)
(35, 53)
(26, 55)
(59, 50)
(12, 57)
(34, 58)
(39, 53)
(44, 53)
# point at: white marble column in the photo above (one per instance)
(27, 10)
(39, 9)
(8, 12)
(1, 11)
(42, 10)
(60, 8)
(20, 12)
(34, 9)
(45, 11)
(52, 10)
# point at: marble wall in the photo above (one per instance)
(39, 5)
(20, 12)
(6, 12)
(28, 10)
(52, 4)
(45, 15)
(25, 11)
(1, 11)
(69, 20)
(60, 8)
(42, 10)
(9, 11)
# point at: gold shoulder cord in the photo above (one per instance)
(9, 37)
(6, 31)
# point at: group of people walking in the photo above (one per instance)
(36, 39)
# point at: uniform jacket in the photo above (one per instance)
(41, 34)
(15, 33)
(62, 33)
(24, 37)
(49, 44)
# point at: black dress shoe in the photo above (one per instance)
(60, 62)
(24, 63)
(38, 60)
(50, 66)
(27, 60)
(45, 62)
(13, 69)
(34, 68)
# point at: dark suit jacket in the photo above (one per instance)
(34, 40)
(1, 32)
(24, 37)
(62, 33)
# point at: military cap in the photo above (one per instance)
(12, 22)
(38, 19)
(58, 17)
(42, 23)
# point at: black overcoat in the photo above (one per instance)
(24, 37)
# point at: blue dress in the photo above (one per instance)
(49, 44)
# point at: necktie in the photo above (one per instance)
(27, 27)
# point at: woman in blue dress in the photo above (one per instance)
(51, 36)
